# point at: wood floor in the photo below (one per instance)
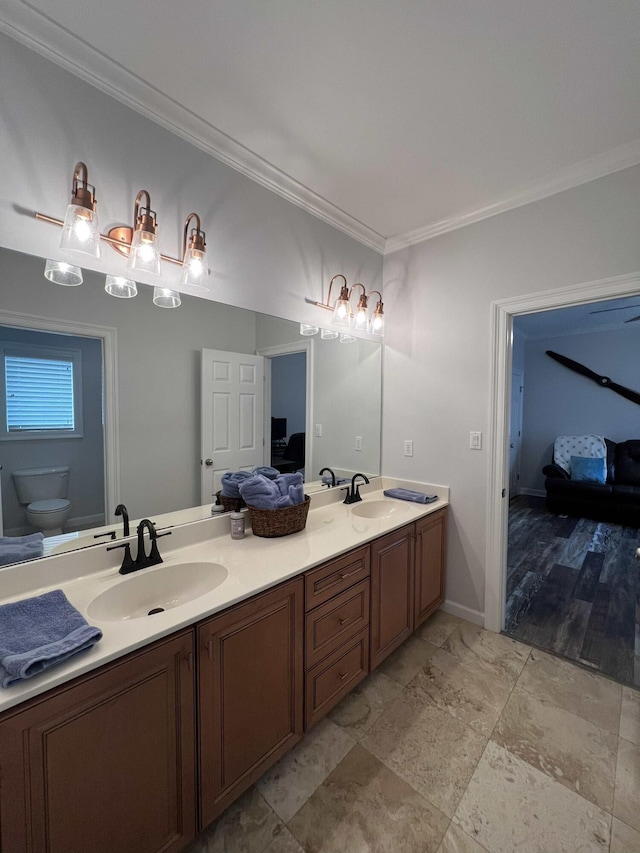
(573, 588)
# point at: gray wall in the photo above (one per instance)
(84, 455)
(558, 401)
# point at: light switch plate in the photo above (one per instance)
(475, 440)
(318, 430)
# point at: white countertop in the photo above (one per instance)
(253, 564)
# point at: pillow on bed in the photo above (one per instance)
(587, 469)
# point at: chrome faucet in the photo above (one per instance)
(353, 496)
(122, 510)
(333, 476)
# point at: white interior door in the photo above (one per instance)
(515, 431)
(232, 407)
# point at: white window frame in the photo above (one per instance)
(10, 348)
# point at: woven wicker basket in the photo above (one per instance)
(279, 522)
(230, 504)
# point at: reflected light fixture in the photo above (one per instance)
(122, 288)
(308, 330)
(347, 339)
(328, 334)
(165, 298)
(194, 256)
(376, 326)
(59, 272)
(80, 231)
(144, 255)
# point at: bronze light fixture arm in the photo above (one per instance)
(344, 293)
(197, 238)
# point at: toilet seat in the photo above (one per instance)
(51, 505)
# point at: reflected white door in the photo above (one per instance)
(232, 406)
(515, 431)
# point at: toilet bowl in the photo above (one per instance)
(44, 492)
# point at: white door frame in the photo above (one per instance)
(109, 338)
(513, 492)
(288, 349)
(502, 314)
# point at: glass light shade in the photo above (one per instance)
(361, 321)
(60, 272)
(342, 313)
(123, 288)
(165, 298)
(80, 232)
(194, 269)
(308, 330)
(347, 339)
(328, 335)
(144, 255)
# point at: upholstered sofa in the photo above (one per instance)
(616, 500)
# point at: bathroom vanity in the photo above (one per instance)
(142, 752)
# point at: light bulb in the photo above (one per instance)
(144, 255)
(194, 269)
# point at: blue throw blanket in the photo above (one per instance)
(230, 483)
(40, 632)
(409, 495)
(14, 549)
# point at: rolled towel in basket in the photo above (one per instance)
(266, 471)
(409, 495)
(285, 480)
(296, 494)
(231, 481)
(40, 632)
(260, 492)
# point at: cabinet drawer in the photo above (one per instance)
(334, 622)
(335, 676)
(323, 583)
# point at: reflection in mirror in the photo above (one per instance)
(141, 406)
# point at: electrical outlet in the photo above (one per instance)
(408, 447)
(475, 440)
(318, 430)
(358, 442)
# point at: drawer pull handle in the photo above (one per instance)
(345, 575)
(343, 675)
(344, 621)
(210, 647)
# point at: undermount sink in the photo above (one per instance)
(379, 509)
(154, 590)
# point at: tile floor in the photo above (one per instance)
(463, 741)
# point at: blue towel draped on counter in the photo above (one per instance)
(14, 549)
(409, 495)
(40, 632)
(230, 483)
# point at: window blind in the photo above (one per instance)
(39, 393)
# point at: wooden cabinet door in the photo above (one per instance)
(106, 764)
(431, 537)
(392, 592)
(251, 692)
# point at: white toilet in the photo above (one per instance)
(44, 492)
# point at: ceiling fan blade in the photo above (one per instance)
(574, 365)
(619, 308)
(633, 319)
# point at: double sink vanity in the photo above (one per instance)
(143, 740)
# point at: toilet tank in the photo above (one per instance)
(40, 484)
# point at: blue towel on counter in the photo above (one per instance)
(230, 483)
(408, 495)
(40, 632)
(266, 471)
(14, 549)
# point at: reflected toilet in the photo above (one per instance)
(44, 492)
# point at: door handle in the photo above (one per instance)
(512, 445)
(208, 462)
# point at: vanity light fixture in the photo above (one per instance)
(194, 256)
(342, 310)
(144, 255)
(308, 330)
(343, 314)
(165, 298)
(60, 272)
(80, 231)
(376, 326)
(361, 320)
(123, 288)
(347, 339)
(328, 334)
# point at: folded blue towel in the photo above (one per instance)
(285, 480)
(38, 633)
(266, 471)
(231, 481)
(296, 494)
(327, 481)
(408, 495)
(14, 549)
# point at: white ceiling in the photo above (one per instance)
(393, 119)
(606, 315)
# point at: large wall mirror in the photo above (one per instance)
(140, 436)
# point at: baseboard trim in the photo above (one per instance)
(455, 609)
(536, 493)
(84, 522)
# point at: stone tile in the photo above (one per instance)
(630, 716)
(407, 660)
(431, 750)
(472, 692)
(284, 842)
(623, 838)
(358, 711)
(457, 841)
(627, 796)
(295, 777)
(511, 806)
(586, 694)
(438, 627)
(247, 826)
(574, 752)
(478, 647)
(362, 807)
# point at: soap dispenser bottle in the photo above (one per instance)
(237, 525)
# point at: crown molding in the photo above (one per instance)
(44, 36)
(581, 173)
